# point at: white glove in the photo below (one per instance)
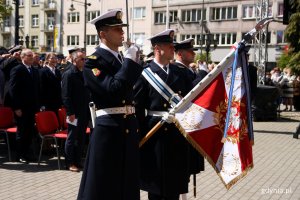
(169, 118)
(132, 53)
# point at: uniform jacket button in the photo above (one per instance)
(166, 129)
(123, 101)
(165, 105)
(127, 131)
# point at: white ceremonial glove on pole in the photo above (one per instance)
(132, 53)
(169, 118)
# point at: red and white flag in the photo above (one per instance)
(202, 120)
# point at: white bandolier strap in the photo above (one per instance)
(161, 87)
(127, 110)
(156, 113)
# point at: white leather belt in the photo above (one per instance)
(127, 110)
(156, 113)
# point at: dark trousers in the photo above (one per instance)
(25, 132)
(152, 196)
(75, 143)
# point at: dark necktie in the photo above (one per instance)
(165, 68)
(120, 58)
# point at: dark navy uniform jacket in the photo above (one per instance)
(112, 164)
(164, 157)
(196, 160)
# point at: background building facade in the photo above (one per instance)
(56, 25)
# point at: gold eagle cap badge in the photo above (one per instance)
(119, 15)
(96, 71)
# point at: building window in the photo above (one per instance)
(35, 2)
(225, 38)
(21, 21)
(139, 13)
(225, 13)
(6, 41)
(173, 16)
(196, 38)
(193, 15)
(6, 21)
(21, 3)
(49, 42)
(280, 37)
(7, 2)
(280, 10)
(138, 38)
(73, 17)
(270, 13)
(92, 15)
(35, 20)
(248, 11)
(34, 41)
(92, 40)
(50, 19)
(73, 40)
(160, 17)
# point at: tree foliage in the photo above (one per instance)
(5, 10)
(292, 34)
(202, 57)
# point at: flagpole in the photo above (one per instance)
(127, 19)
(209, 77)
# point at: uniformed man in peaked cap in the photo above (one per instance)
(69, 60)
(112, 165)
(164, 157)
(185, 55)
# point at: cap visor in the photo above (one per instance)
(116, 24)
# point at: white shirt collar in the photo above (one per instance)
(180, 63)
(103, 46)
(51, 69)
(27, 66)
(161, 66)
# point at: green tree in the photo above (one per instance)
(292, 34)
(202, 57)
(5, 10)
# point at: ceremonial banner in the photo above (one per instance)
(202, 119)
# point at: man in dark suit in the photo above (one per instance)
(50, 84)
(111, 170)
(76, 99)
(165, 156)
(24, 91)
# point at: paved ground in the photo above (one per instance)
(276, 173)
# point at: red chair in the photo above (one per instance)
(48, 128)
(7, 125)
(62, 116)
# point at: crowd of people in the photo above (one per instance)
(30, 84)
(127, 107)
(288, 84)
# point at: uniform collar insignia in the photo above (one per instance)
(96, 71)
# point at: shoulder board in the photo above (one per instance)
(93, 57)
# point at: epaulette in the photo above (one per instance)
(92, 57)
